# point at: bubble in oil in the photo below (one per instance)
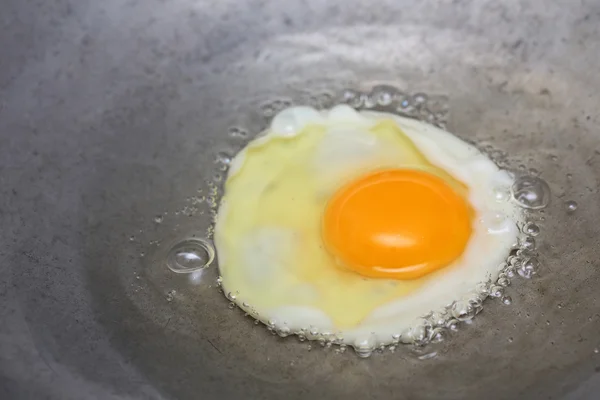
(364, 347)
(531, 229)
(236, 132)
(190, 255)
(405, 105)
(170, 295)
(428, 356)
(531, 192)
(571, 206)
(352, 98)
(527, 244)
(368, 101)
(383, 98)
(419, 98)
(462, 311)
(529, 268)
(223, 158)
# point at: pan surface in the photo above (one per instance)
(113, 113)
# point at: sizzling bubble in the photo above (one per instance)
(190, 255)
(170, 295)
(428, 356)
(531, 192)
(223, 157)
(531, 229)
(571, 206)
(528, 244)
(529, 268)
(236, 132)
(364, 347)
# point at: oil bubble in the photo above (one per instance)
(170, 295)
(353, 98)
(405, 105)
(419, 98)
(528, 243)
(496, 291)
(350, 97)
(428, 356)
(452, 324)
(237, 132)
(368, 101)
(531, 229)
(462, 311)
(529, 268)
(571, 206)
(190, 255)
(223, 158)
(383, 94)
(531, 192)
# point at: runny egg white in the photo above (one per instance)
(356, 225)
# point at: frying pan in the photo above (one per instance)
(112, 114)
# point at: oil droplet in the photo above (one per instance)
(531, 192)
(223, 158)
(190, 255)
(369, 101)
(131, 238)
(507, 300)
(528, 243)
(571, 206)
(510, 340)
(569, 176)
(419, 98)
(158, 219)
(531, 229)
(237, 132)
(171, 295)
(596, 351)
(428, 356)
(382, 97)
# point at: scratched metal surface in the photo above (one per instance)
(111, 112)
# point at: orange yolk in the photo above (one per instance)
(397, 224)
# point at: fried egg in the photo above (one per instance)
(355, 225)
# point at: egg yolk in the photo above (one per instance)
(396, 224)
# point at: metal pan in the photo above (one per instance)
(112, 114)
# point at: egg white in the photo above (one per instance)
(346, 146)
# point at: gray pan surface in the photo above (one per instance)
(111, 116)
